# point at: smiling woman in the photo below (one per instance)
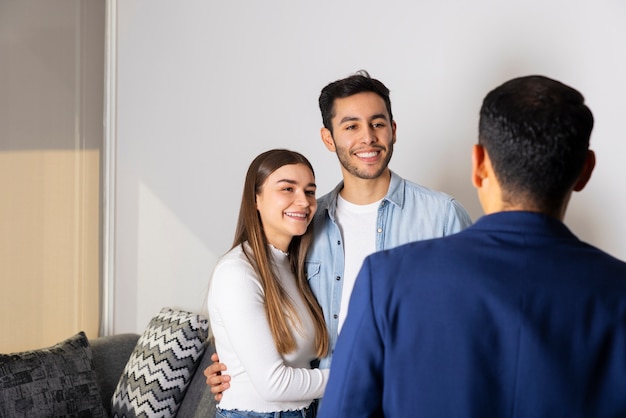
(286, 203)
(267, 324)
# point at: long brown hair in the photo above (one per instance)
(278, 307)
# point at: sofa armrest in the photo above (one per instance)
(199, 401)
(110, 355)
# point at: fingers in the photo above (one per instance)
(217, 389)
(214, 369)
(215, 379)
(218, 382)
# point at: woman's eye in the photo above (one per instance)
(310, 192)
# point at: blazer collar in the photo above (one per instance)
(524, 222)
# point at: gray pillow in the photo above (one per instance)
(50, 382)
(161, 365)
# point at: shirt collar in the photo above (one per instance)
(395, 194)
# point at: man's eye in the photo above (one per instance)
(310, 192)
(350, 127)
(288, 189)
(378, 125)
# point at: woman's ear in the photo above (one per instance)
(585, 174)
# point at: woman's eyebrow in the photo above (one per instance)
(294, 182)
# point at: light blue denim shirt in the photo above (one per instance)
(409, 212)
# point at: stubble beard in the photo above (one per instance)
(344, 159)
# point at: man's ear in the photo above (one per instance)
(393, 130)
(585, 174)
(327, 139)
(479, 171)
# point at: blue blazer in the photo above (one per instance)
(513, 317)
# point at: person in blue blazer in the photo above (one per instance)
(512, 317)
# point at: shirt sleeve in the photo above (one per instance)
(355, 387)
(237, 297)
(458, 218)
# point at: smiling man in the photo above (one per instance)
(373, 208)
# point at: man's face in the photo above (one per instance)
(363, 136)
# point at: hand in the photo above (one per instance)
(219, 382)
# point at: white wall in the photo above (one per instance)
(204, 86)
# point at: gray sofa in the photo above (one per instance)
(110, 355)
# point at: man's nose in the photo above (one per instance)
(369, 135)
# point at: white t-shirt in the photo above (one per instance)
(262, 380)
(357, 224)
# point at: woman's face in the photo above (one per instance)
(287, 204)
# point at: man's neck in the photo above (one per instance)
(364, 191)
(558, 213)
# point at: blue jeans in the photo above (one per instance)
(308, 412)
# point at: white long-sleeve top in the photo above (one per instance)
(262, 380)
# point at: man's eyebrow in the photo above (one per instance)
(379, 116)
(348, 119)
(354, 118)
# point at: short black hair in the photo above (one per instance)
(536, 131)
(357, 83)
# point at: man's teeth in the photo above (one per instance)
(367, 154)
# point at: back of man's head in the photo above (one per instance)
(359, 82)
(536, 131)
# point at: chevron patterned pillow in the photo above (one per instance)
(161, 366)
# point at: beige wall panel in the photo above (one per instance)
(49, 246)
(51, 107)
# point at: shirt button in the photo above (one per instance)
(380, 230)
(338, 278)
(338, 242)
(335, 316)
